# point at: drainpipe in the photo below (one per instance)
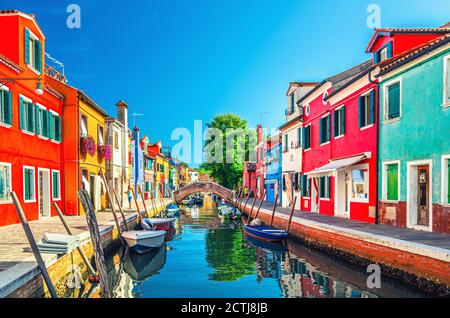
(377, 124)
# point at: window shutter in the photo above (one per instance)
(321, 131)
(22, 113)
(50, 125)
(448, 181)
(54, 185)
(38, 120)
(328, 127)
(389, 50)
(27, 184)
(8, 118)
(38, 54)
(304, 137)
(335, 123)
(394, 101)
(329, 187)
(372, 107)
(299, 136)
(27, 46)
(376, 57)
(362, 111)
(59, 129)
(32, 117)
(308, 137)
(343, 120)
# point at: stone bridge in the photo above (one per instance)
(207, 187)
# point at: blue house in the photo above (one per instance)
(137, 155)
(273, 181)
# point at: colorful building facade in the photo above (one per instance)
(273, 179)
(30, 123)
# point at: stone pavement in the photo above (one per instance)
(435, 240)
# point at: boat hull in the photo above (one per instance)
(162, 224)
(265, 233)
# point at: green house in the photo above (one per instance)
(414, 139)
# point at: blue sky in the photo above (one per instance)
(181, 60)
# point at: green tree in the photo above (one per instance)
(227, 147)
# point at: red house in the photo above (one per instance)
(339, 146)
(30, 122)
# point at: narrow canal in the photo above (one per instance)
(208, 256)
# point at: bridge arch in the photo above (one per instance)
(207, 187)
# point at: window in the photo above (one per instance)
(366, 106)
(147, 186)
(324, 187)
(5, 106)
(392, 101)
(54, 126)
(27, 115)
(447, 80)
(360, 184)
(29, 184)
(42, 121)
(297, 181)
(391, 175)
(33, 51)
(306, 138)
(339, 121)
(100, 134)
(325, 129)
(5, 182)
(292, 97)
(56, 185)
(383, 54)
(299, 136)
(286, 145)
(83, 126)
(116, 140)
(445, 179)
(306, 186)
(284, 183)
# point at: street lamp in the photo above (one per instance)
(38, 90)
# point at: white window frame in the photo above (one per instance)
(367, 182)
(4, 88)
(446, 99)
(53, 113)
(384, 181)
(34, 184)
(338, 109)
(59, 185)
(41, 128)
(385, 99)
(367, 110)
(8, 164)
(28, 100)
(31, 66)
(444, 180)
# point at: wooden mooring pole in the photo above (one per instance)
(161, 199)
(113, 209)
(91, 219)
(273, 211)
(120, 209)
(155, 211)
(143, 201)
(33, 245)
(137, 206)
(80, 250)
(292, 213)
(260, 204)
(246, 200)
(251, 210)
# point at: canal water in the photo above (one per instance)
(207, 256)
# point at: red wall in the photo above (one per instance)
(19, 148)
(403, 42)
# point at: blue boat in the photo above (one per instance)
(265, 233)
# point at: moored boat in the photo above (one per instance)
(265, 233)
(144, 241)
(165, 224)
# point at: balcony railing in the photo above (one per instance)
(50, 71)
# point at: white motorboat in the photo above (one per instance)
(144, 241)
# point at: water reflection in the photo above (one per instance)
(206, 256)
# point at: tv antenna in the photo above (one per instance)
(134, 118)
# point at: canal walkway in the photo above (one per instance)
(423, 254)
(17, 263)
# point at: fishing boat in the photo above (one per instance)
(144, 241)
(265, 233)
(150, 224)
(173, 208)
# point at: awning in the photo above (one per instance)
(338, 164)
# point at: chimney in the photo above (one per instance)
(259, 132)
(122, 112)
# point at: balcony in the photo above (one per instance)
(51, 72)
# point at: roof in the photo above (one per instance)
(10, 64)
(83, 96)
(389, 31)
(24, 15)
(299, 84)
(393, 63)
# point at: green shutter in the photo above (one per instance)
(45, 123)
(27, 184)
(7, 109)
(22, 113)
(361, 112)
(321, 131)
(335, 123)
(31, 117)
(304, 137)
(50, 125)
(27, 46)
(343, 120)
(394, 101)
(448, 181)
(299, 136)
(328, 127)
(38, 120)
(389, 50)
(308, 137)
(372, 107)
(392, 182)
(59, 129)
(38, 54)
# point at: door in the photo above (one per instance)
(92, 189)
(44, 193)
(423, 195)
(348, 191)
(314, 195)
